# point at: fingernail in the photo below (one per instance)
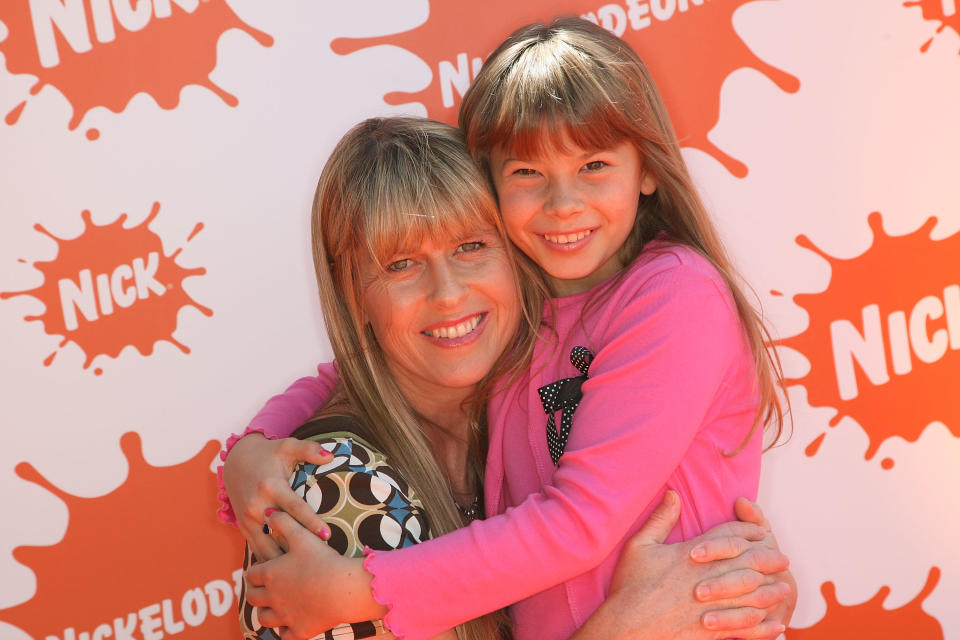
(709, 620)
(266, 528)
(325, 454)
(269, 511)
(698, 552)
(324, 534)
(703, 592)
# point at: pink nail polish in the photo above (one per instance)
(324, 534)
(269, 512)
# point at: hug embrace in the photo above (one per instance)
(545, 370)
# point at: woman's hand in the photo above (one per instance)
(256, 475)
(734, 569)
(311, 588)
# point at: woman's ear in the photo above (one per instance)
(648, 183)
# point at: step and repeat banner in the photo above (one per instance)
(157, 164)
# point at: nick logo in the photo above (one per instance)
(152, 550)
(112, 287)
(943, 11)
(690, 47)
(884, 337)
(103, 52)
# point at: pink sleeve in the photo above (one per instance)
(278, 418)
(673, 342)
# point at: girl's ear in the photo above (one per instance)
(648, 183)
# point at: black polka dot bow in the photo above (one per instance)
(564, 396)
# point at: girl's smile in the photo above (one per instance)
(571, 210)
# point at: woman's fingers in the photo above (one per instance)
(731, 619)
(749, 511)
(660, 523)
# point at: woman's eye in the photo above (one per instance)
(525, 172)
(398, 265)
(595, 165)
(468, 247)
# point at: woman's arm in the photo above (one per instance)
(714, 586)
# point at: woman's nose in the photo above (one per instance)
(447, 286)
(563, 198)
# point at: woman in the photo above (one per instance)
(420, 296)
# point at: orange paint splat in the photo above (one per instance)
(887, 463)
(151, 550)
(814, 446)
(98, 371)
(98, 56)
(774, 292)
(93, 134)
(197, 229)
(884, 337)
(944, 12)
(112, 287)
(14, 114)
(871, 620)
(689, 53)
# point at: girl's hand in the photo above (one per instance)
(311, 588)
(256, 475)
(652, 595)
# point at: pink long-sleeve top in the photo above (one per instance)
(671, 394)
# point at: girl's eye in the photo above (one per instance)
(595, 165)
(398, 265)
(525, 172)
(469, 247)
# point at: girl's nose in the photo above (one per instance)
(563, 199)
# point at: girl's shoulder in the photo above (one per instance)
(663, 260)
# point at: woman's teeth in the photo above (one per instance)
(456, 331)
(566, 238)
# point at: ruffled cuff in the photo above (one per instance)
(225, 511)
(368, 560)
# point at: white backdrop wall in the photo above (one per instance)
(823, 134)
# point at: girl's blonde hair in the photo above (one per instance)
(389, 184)
(573, 80)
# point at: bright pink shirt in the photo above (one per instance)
(671, 391)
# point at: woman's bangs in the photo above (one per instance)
(405, 224)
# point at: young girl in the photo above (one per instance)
(647, 339)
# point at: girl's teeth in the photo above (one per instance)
(567, 237)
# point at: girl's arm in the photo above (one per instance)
(652, 597)
(256, 465)
(675, 341)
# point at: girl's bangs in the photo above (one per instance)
(550, 99)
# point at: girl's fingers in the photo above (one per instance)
(302, 512)
(297, 450)
(284, 529)
(262, 545)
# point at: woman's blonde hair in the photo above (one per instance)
(390, 183)
(573, 80)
